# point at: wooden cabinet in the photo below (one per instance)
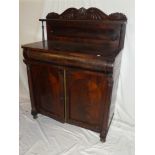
(73, 75)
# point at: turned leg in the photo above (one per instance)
(34, 114)
(103, 135)
(102, 139)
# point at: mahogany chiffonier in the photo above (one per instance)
(73, 75)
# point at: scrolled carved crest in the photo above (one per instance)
(86, 14)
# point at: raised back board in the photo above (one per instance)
(88, 26)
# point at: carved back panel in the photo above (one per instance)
(87, 26)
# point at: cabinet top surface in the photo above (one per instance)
(79, 49)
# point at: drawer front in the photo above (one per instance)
(86, 96)
(48, 86)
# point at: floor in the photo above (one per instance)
(45, 136)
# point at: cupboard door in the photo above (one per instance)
(86, 96)
(48, 86)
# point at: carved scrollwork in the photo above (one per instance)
(117, 16)
(86, 14)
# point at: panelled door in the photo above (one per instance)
(86, 96)
(48, 89)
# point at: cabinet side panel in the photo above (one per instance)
(116, 72)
